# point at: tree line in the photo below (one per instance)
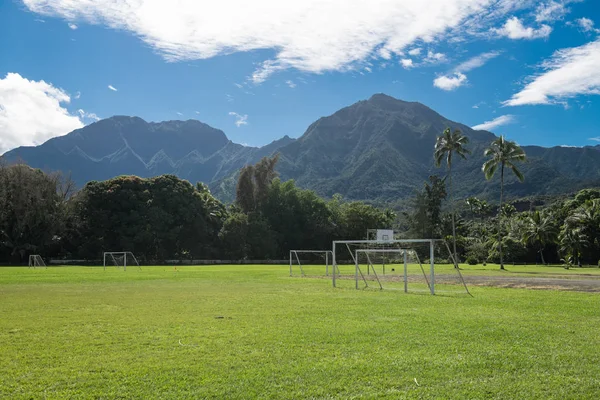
(567, 231)
(167, 218)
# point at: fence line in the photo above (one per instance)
(174, 262)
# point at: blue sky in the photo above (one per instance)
(262, 69)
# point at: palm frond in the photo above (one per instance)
(517, 173)
(489, 168)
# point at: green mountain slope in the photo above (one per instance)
(379, 150)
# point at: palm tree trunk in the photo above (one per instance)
(500, 215)
(452, 211)
(542, 255)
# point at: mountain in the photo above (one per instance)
(129, 145)
(378, 149)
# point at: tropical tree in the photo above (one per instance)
(539, 230)
(572, 242)
(503, 154)
(483, 209)
(473, 203)
(586, 218)
(446, 145)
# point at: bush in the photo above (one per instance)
(472, 261)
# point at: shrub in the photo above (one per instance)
(472, 261)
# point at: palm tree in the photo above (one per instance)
(484, 209)
(473, 203)
(539, 231)
(504, 154)
(446, 145)
(586, 218)
(572, 242)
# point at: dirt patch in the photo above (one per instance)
(579, 285)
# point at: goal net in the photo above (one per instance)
(35, 260)
(310, 262)
(120, 259)
(407, 265)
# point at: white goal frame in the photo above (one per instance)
(294, 254)
(35, 260)
(347, 243)
(370, 265)
(110, 255)
(431, 242)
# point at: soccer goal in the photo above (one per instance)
(409, 265)
(120, 259)
(35, 260)
(310, 262)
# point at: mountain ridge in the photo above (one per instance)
(379, 149)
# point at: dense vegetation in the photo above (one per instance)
(359, 152)
(167, 218)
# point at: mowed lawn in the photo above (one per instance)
(244, 332)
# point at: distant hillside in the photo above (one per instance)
(378, 150)
(129, 145)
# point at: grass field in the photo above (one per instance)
(243, 332)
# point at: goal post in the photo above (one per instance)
(323, 255)
(119, 259)
(400, 264)
(35, 260)
(399, 242)
(402, 257)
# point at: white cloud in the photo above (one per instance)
(477, 61)
(595, 139)
(311, 35)
(290, 83)
(568, 73)
(551, 11)
(85, 116)
(384, 53)
(514, 29)
(111, 87)
(178, 113)
(458, 78)
(73, 26)
(406, 63)
(239, 86)
(414, 52)
(32, 112)
(197, 112)
(266, 69)
(496, 122)
(228, 97)
(77, 95)
(586, 25)
(434, 58)
(450, 82)
(239, 119)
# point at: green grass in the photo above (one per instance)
(80, 332)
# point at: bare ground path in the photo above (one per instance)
(580, 283)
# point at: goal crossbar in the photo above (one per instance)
(35, 260)
(402, 251)
(294, 254)
(127, 255)
(347, 243)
